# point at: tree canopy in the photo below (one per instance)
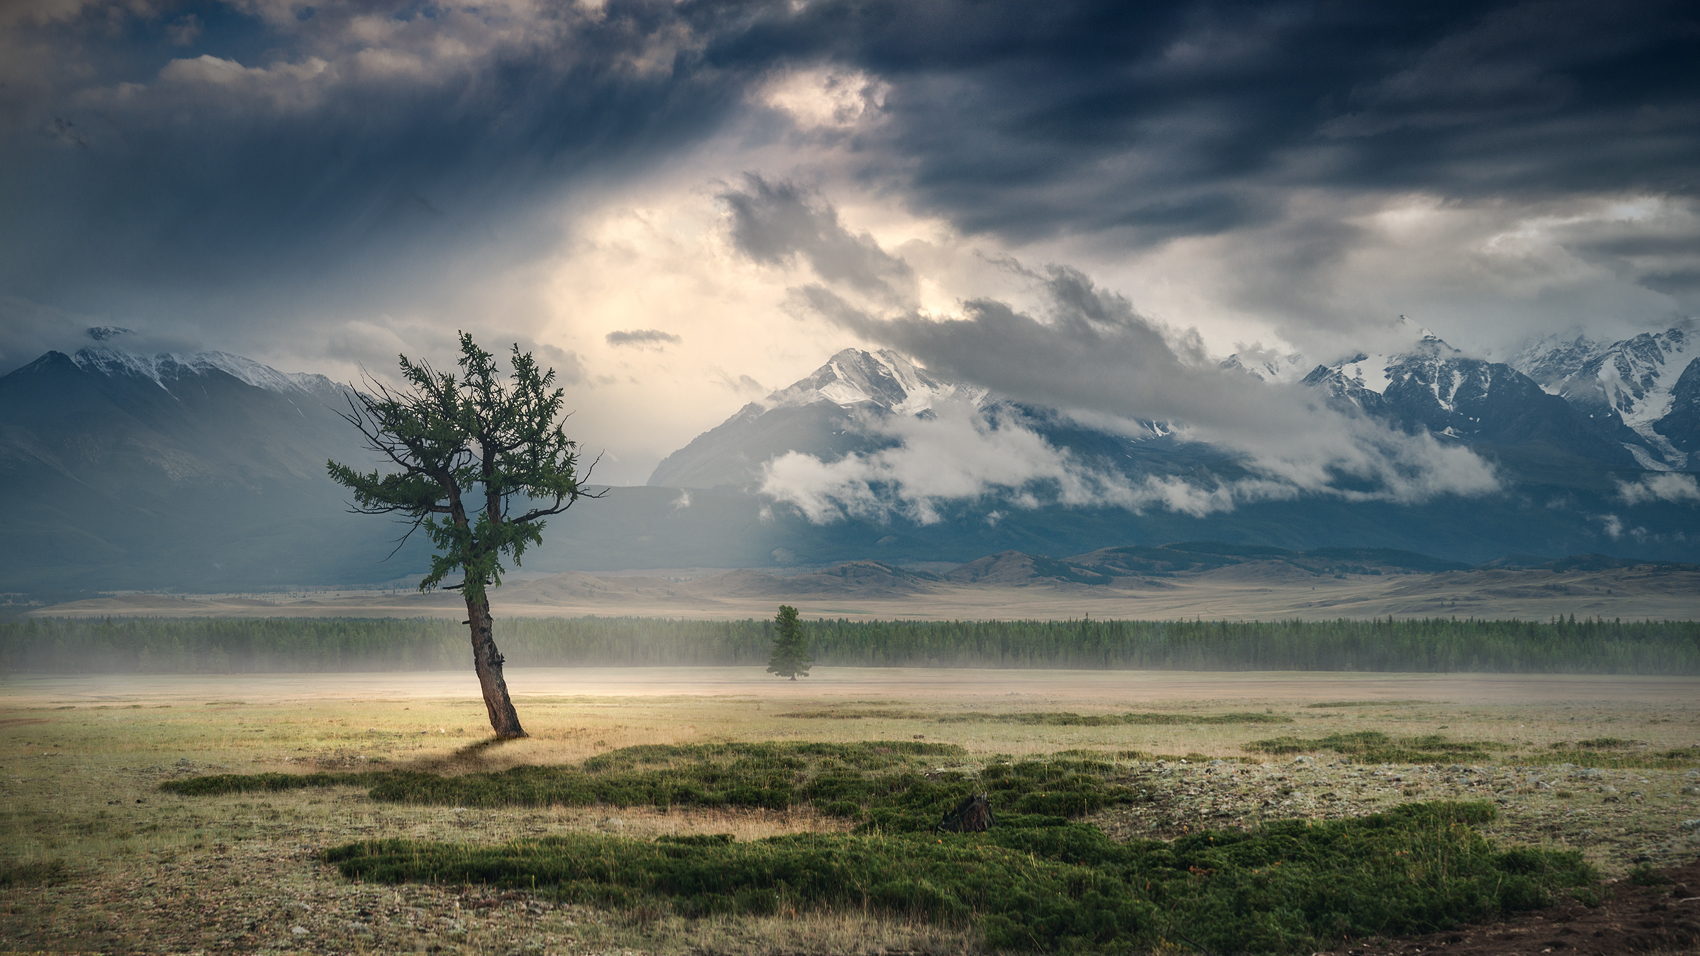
(790, 647)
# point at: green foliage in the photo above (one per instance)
(198, 645)
(888, 785)
(1373, 746)
(790, 647)
(447, 439)
(1644, 875)
(1294, 886)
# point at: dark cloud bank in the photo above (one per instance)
(211, 163)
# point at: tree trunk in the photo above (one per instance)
(487, 661)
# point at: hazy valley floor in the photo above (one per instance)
(1245, 592)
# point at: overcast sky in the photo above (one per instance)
(684, 205)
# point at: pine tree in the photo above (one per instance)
(790, 648)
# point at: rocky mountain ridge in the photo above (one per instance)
(1434, 387)
(1646, 388)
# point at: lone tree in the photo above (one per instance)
(790, 649)
(478, 463)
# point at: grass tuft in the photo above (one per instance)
(34, 873)
(1373, 746)
(1612, 758)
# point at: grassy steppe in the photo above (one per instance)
(98, 856)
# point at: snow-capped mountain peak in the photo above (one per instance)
(1434, 387)
(1632, 381)
(1633, 376)
(1269, 365)
(164, 367)
(853, 377)
(1367, 372)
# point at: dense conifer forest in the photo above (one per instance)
(1436, 645)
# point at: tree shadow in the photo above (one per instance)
(470, 757)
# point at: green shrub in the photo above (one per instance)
(888, 785)
(1294, 886)
(1373, 746)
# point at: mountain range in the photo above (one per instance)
(132, 471)
(206, 472)
(1633, 404)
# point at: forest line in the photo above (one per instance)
(1432, 645)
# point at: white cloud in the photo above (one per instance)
(962, 453)
(824, 98)
(285, 87)
(1672, 487)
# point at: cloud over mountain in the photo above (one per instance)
(1093, 355)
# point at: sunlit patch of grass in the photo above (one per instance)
(1293, 886)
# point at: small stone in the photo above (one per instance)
(298, 930)
(1691, 824)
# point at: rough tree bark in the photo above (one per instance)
(487, 661)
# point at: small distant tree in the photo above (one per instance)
(478, 463)
(790, 648)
